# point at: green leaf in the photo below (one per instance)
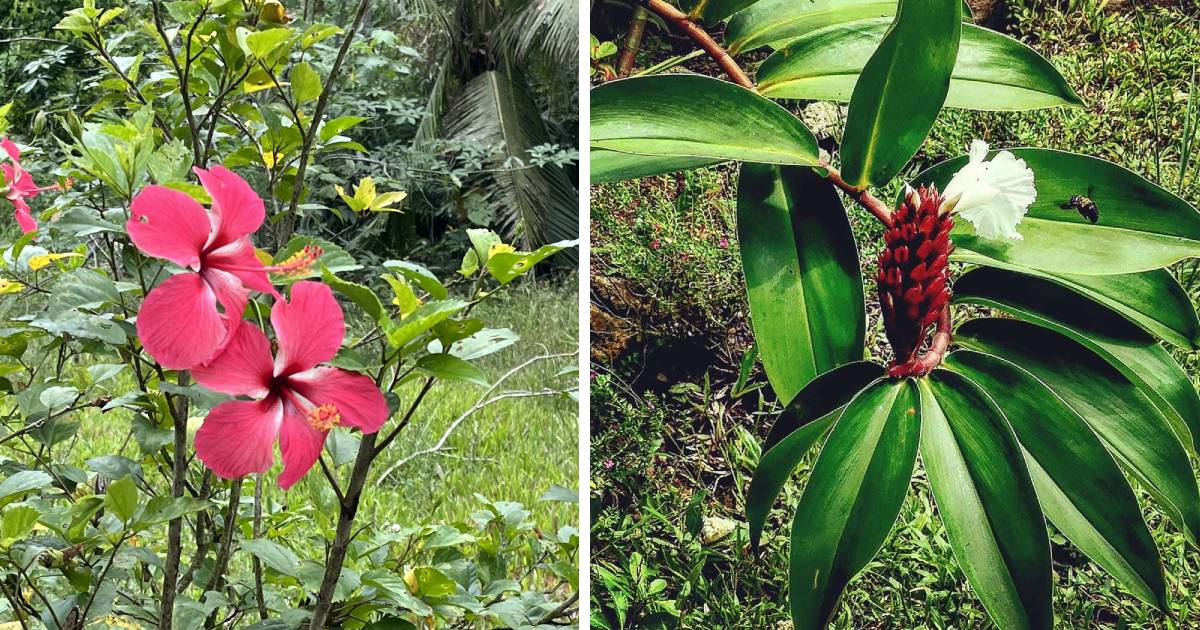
(1126, 421)
(451, 368)
(338, 126)
(802, 274)
(277, 557)
(1123, 345)
(613, 166)
(361, 295)
(691, 116)
(121, 498)
(804, 421)
(508, 266)
(993, 72)
(986, 500)
(1153, 300)
(263, 44)
(21, 482)
(18, 522)
(421, 320)
(777, 22)
(1078, 484)
(852, 497)
(900, 91)
(306, 83)
(713, 11)
(1142, 226)
(423, 277)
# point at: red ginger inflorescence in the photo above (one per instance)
(913, 279)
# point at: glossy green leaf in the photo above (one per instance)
(777, 22)
(121, 498)
(1125, 420)
(1142, 226)
(1080, 487)
(361, 295)
(306, 83)
(992, 72)
(451, 368)
(684, 115)
(613, 166)
(900, 91)
(806, 418)
(1152, 300)
(986, 500)
(1119, 342)
(802, 274)
(852, 497)
(713, 11)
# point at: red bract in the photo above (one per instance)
(20, 186)
(913, 280)
(294, 398)
(179, 322)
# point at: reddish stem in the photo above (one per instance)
(862, 196)
(702, 39)
(932, 357)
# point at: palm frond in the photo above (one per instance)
(548, 27)
(497, 109)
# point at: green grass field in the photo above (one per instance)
(674, 443)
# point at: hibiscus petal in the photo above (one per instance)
(237, 210)
(24, 219)
(239, 259)
(11, 149)
(357, 397)
(237, 437)
(300, 445)
(179, 324)
(309, 328)
(243, 368)
(168, 224)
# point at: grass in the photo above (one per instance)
(674, 445)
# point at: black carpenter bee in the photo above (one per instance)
(1085, 206)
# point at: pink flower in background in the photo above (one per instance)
(294, 397)
(20, 186)
(179, 323)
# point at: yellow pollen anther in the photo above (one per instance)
(323, 418)
(300, 261)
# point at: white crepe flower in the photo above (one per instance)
(992, 195)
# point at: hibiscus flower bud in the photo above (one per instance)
(992, 195)
(913, 281)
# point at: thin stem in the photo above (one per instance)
(179, 411)
(674, 16)
(633, 41)
(341, 539)
(937, 348)
(217, 581)
(259, 596)
(861, 196)
(322, 103)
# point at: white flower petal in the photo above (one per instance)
(992, 195)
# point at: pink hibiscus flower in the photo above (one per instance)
(179, 322)
(293, 397)
(20, 186)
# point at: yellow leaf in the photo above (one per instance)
(500, 248)
(264, 257)
(273, 12)
(42, 260)
(8, 286)
(271, 158)
(384, 202)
